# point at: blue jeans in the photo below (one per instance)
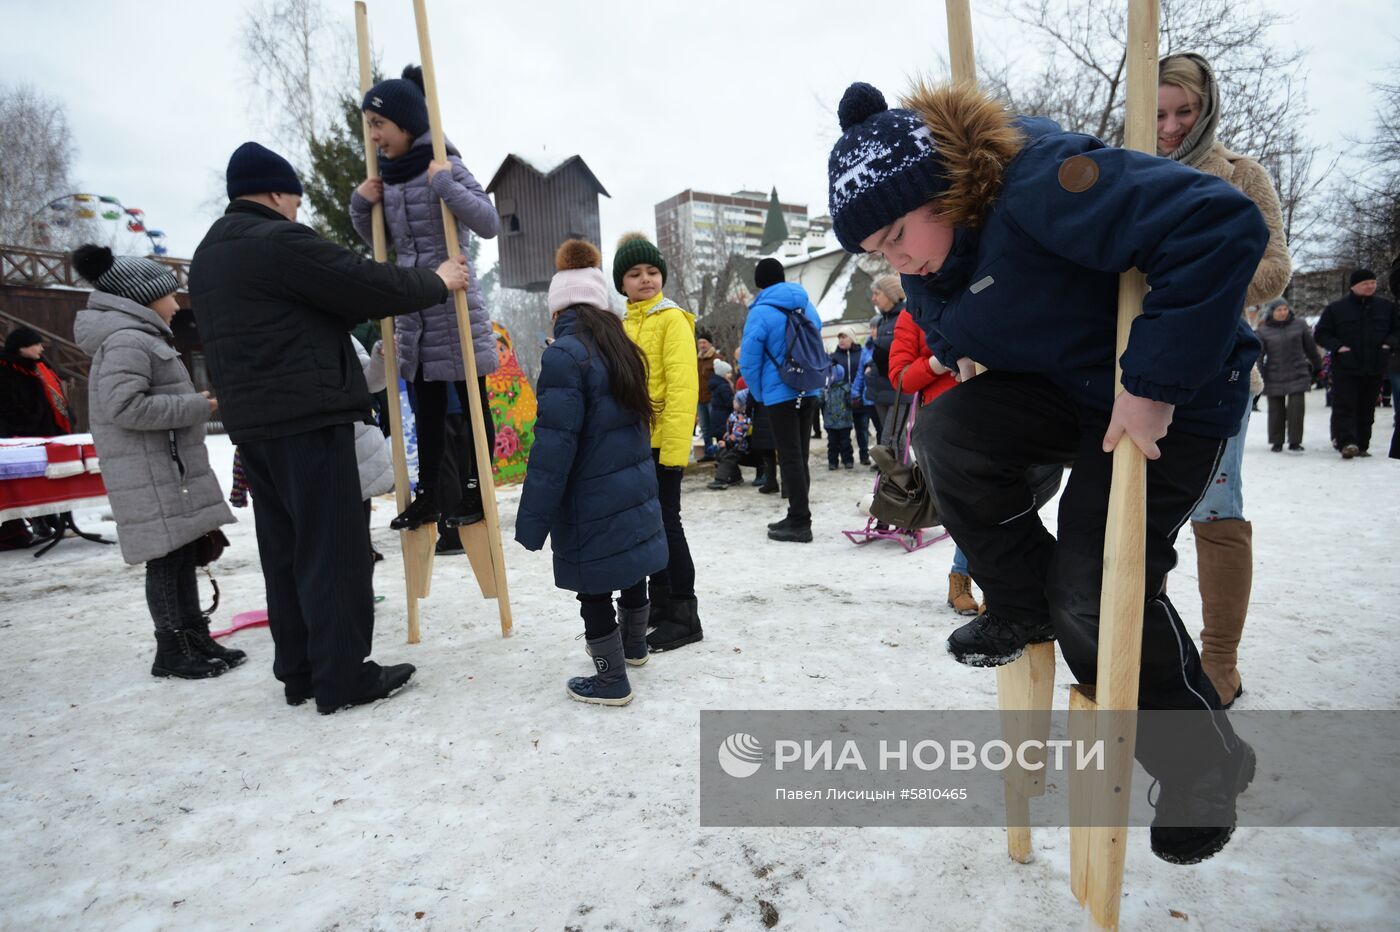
(959, 562)
(705, 432)
(863, 416)
(1224, 498)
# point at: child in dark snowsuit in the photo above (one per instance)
(591, 483)
(1011, 235)
(733, 444)
(836, 413)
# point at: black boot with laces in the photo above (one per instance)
(991, 641)
(176, 656)
(206, 645)
(1196, 817)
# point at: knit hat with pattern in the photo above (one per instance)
(131, 277)
(635, 249)
(883, 166)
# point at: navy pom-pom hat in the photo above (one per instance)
(400, 100)
(884, 165)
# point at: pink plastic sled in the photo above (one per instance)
(254, 619)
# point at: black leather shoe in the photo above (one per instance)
(391, 680)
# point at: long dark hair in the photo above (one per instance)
(624, 360)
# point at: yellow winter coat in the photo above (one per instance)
(666, 334)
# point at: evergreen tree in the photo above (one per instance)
(337, 167)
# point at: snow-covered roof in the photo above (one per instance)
(546, 165)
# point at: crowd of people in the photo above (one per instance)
(1007, 236)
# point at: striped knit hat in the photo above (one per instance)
(130, 277)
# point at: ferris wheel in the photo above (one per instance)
(71, 209)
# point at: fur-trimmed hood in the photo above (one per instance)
(976, 137)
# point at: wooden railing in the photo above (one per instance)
(26, 266)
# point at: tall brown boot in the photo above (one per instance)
(1225, 568)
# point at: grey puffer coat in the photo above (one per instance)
(413, 219)
(148, 427)
(1290, 355)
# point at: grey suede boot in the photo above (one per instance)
(632, 622)
(609, 685)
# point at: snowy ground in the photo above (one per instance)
(481, 797)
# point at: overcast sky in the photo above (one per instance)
(657, 96)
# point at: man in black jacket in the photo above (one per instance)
(275, 304)
(1360, 330)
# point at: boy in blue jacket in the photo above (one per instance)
(1011, 235)
(791, 413)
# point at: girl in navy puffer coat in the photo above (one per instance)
(590, 484)
(428, 342)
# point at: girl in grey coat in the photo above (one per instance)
(411, 187)
(1288, 363)
(148, 426)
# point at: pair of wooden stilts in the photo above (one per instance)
(481, 541)
(1098, 800)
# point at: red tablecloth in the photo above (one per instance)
(73, 489)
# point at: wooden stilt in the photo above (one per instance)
(417, 545)
(1097, 863)
(1025, 688)
(496, 567)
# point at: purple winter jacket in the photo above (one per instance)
(413, 220)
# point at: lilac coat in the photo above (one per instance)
(413, 220)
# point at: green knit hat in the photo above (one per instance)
(635, 249)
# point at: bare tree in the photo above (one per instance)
(38, 159)
(1081, 83)
(1366, 213)
(301, 63)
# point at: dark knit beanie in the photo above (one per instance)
(883, 166)
(1362, 275)
(401, 100)
(131, 277)
(635, 249)
(768, 272)
(20, 337)
(253, 169)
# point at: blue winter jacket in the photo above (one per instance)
(860, 385)
(765, 341)
(590, 484)
(1035, 289)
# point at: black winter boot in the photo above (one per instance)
(609, 685)
(632, 622)
(1195, 818)
(423, 510)
(176, 656)
(470, 510)
(659, 594)
(794, 532)
(206, 645)
(991, 641)
(680, 629)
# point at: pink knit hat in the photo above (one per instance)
(579, 279)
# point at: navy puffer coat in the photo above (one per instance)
(591, 483)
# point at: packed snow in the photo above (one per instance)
(481, 797)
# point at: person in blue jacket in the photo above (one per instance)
(590, 484)
(791, 413)
(1010, 235)
(861, 389)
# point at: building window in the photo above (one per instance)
(510, 225)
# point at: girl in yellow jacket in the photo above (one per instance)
(665, 332)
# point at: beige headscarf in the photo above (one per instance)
(1198, 143)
